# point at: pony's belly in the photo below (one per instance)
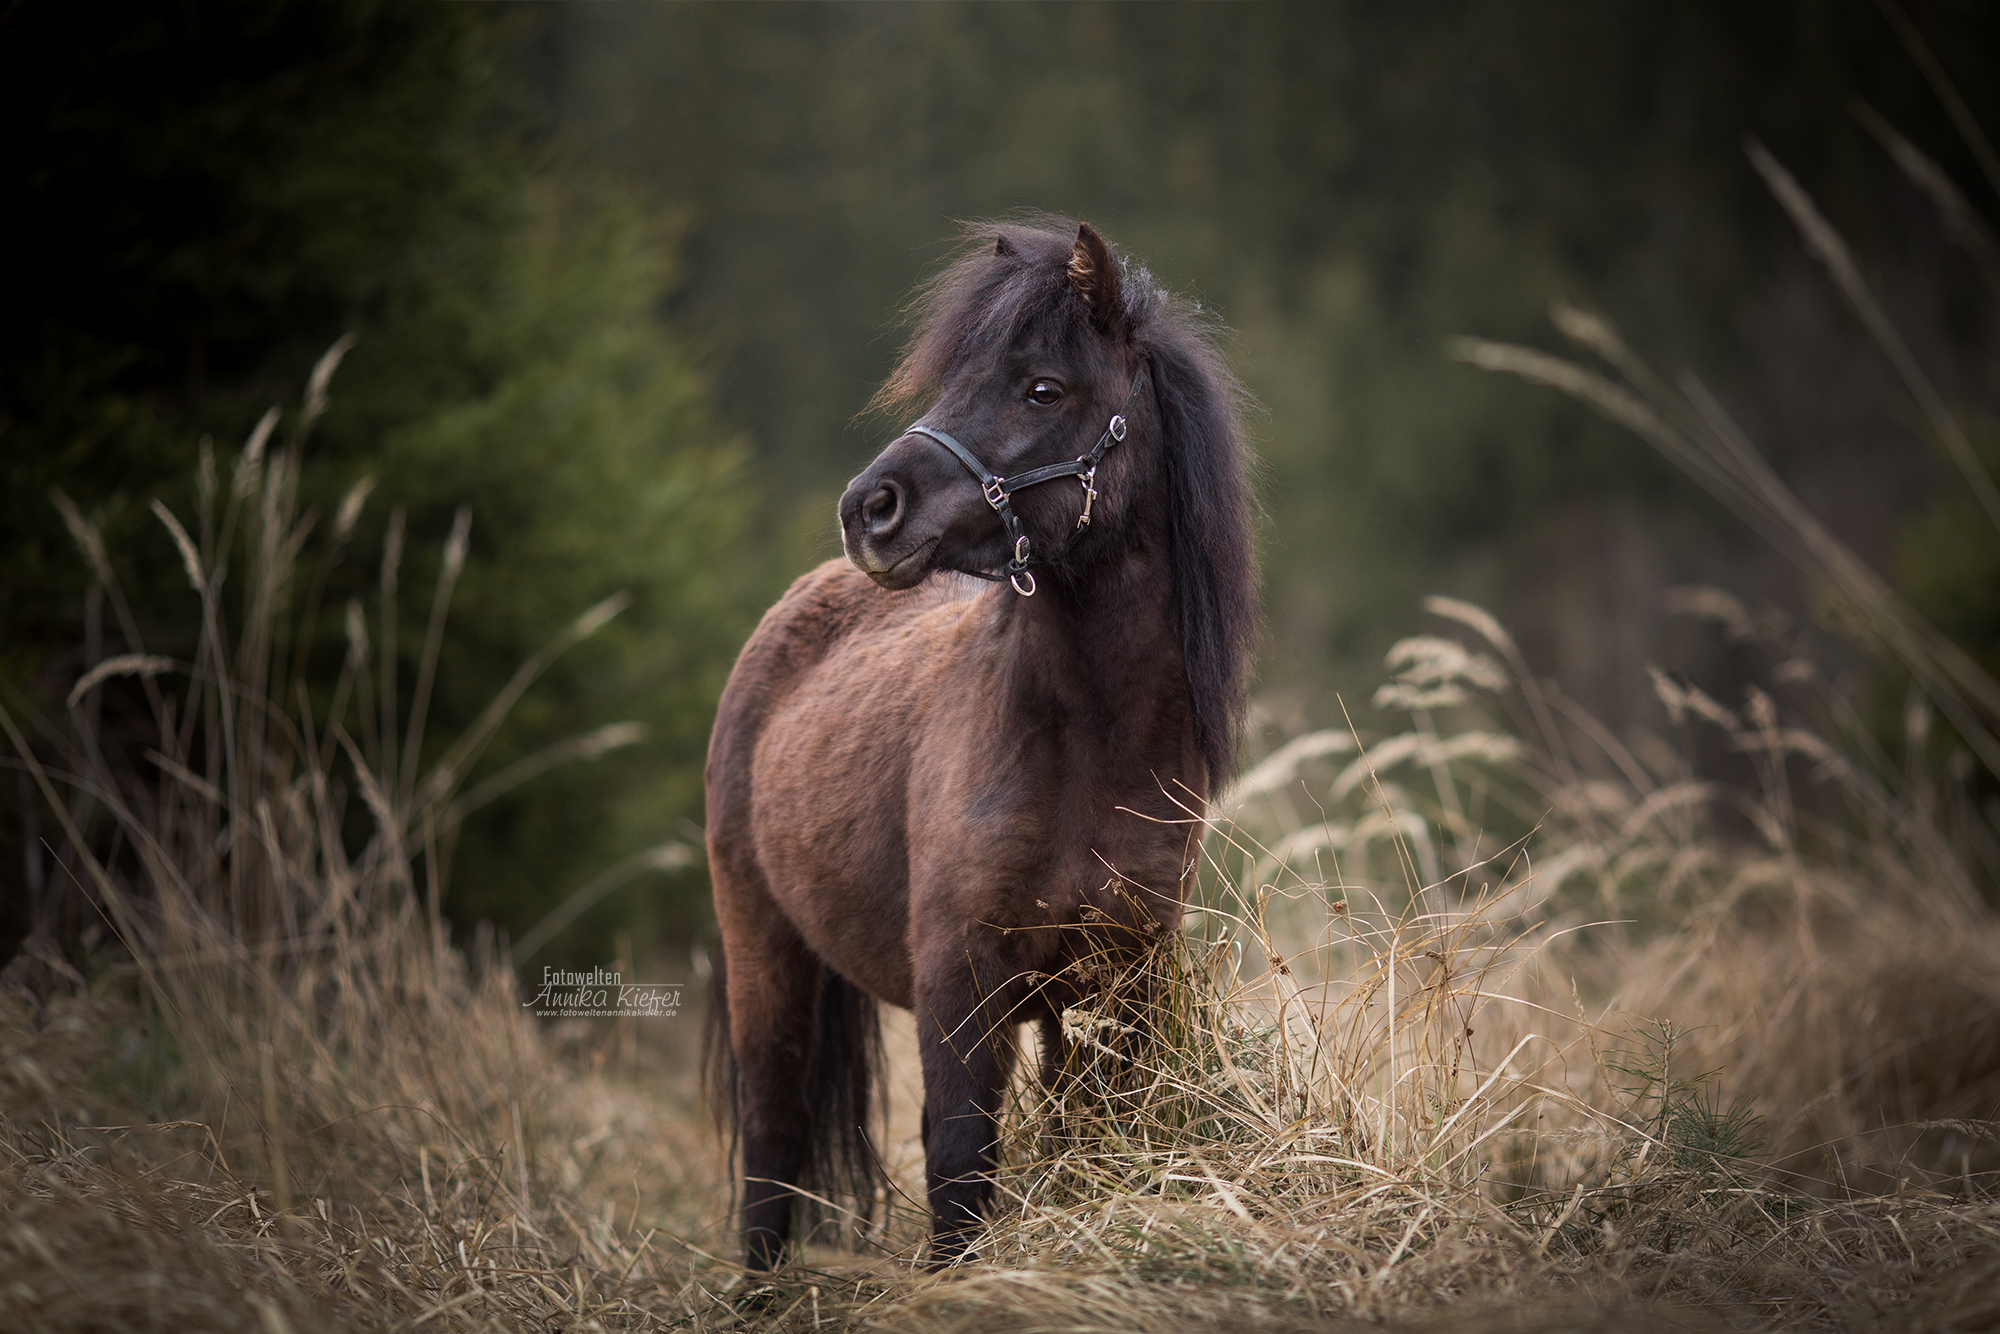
(830, 841)
(858, 924)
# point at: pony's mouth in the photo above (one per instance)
(909, 569)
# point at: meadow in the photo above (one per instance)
(1494, 1020)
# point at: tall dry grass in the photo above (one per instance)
(1681, 1046)
(286, 1099)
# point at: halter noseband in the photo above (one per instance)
(999, 491)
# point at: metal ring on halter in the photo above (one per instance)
(1017, 569)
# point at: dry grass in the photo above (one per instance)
(1482, 1099)
(286, 1100)
(1391, 1073)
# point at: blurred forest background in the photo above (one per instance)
(621, 278)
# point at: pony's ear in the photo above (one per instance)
(1002, 246)
(1094, 275)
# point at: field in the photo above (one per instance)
(1670, 1050)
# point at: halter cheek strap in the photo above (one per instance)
(999, 491)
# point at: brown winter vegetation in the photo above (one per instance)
(1677, 1053)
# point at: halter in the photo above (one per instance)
(999, 491)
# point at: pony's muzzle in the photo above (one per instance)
(890, 520)
(874, 530)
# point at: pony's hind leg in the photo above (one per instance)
(774, 984)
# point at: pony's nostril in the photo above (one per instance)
(884, 510)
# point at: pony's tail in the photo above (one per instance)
(721, 1081)
(842, 1088)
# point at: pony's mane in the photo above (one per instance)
(1008, 275)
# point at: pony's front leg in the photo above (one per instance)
(966, 1043)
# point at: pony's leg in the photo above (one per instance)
(966, 1044)
(1055, 1057)
(774, 984)
(1055, 1052)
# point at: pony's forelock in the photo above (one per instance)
(1002, 275)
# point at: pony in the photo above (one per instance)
(955, 796)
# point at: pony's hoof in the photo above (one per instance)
(757, 1297)
(948, 1255)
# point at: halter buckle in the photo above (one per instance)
(1117, 427)
(995, 491)
(1089, 480)
(1017, 569)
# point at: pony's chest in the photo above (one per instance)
(1055, 793)
(1030, 847)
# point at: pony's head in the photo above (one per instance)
(1026, 349)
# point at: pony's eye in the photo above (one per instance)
(1044, 392)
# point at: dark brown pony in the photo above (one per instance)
(912, 791)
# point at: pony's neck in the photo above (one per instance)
(1111, 644)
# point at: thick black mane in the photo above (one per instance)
(1012, 275)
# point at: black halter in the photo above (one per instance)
(999, 491)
